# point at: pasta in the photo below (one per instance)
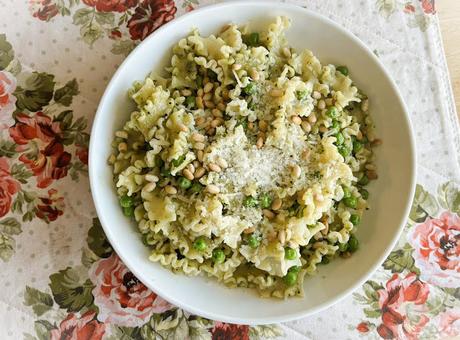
(248, 162)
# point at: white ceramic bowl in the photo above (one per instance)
(390, 195)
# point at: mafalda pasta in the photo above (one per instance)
(247, 162)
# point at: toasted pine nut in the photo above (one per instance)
(312, 118)
(170, 190)
(205, 80)
(263, 125)
(322, 129)
(198, 137)
(372, 174)
(183, 128)
(370, 167)
(209, 104)
(199, 146)
(212, 189)
(211, 131)
(191, 168)
(151, 178)
(222, 163)
(200, 93)
(207, 97)
(286, 52)
(296, 171)
(325, 230)
(199, 155)
(359, 135)
(321, 104)
(221, 106)
(149, 187)
(187, 174)
(217, 113)
(306, 127)
(376, 142)
(260, 142)
(236, 67)
(306, 154)
(199, 172)
(254, 74)
(216, 122)
(282, 236)
(122, 147)
(199, 102)
(121, 134)
(208, 87)
(276, 204)
(276, 92)
(199, 120)
(249, 230)
(268, 213)
(251, 126)
(214, 167)
(296, 120)
(316, 95)
(196, 165)
(186, 92)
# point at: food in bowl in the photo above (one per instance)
(247, 160)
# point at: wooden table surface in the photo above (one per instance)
(449, 19)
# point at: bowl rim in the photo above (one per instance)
(254, 320)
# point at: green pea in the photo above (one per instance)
(199, 81)
(126, 201)
(128, 211)
(250, 202)
(184, 183)
(301, 94)
(343, 247)
(165, 172)
(335, 125)
(355, 219)
(340, 139)
(251, 39)
(344, 150)
(243, 122)
(357, 146)
(190, 102)
(364, 180)
(353, 244)
(250, 89)
(346, 192)
(178, 161)
(294, 269)
(253, 241)
(200, 244)
(364, 193)
(159, 162)
(218, 255)
(350, 202)
(325, 260)
(343, 70)
(251, 105)
(332, 112)
(196, 188)
(290, 278)
(265, 201)
(289, 253)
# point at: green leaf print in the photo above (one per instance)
(7, 149)
(70, 290)
(449, 197)
(35, 91)
(39, 301)
(423, 206)
(20, 172)
(10, 226)
(123, 47)
(105, 18)
(43, 328)
(400, 260)
(83, 16)
(91, 32)
(168, 325)
(65, 118)
(7, 245)
(65, 94)
(265, 331)
(97, 241)
(6, 52)
(386, 7)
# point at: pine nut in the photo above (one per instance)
(306, 127)
(121, 134)
(249, 230)
(316, 95)
(188, 174)
(200, 93)
(216, 122)
(254, 74)
(199, 102)
(236, 67)
(370, 167)
(186, 92)
(221, 106)
(205, 80)
(260, 142)
(251, 126)
(371, 174)
(214, 167)
(199, 172)
(286, 52)
(263, 125)
(207, 97)
(296, 120)
(276, 92)
(359, 135)
(151, 178)
(198, 137)
(282, 236)
(122, 147)
(149, 187)
(209, 104)
(199, 155)
(306, 154)
(196, 165)
(322, 129)
(321, 104)
(268, 214)
(183, 128)
(312, 118)
(170, 190)
(211, 131)
(276, 204)
(217, 113)
(212, 189)
(376, 142)
(296, 171)
(222, 163)
(199, 146)
(208, 87)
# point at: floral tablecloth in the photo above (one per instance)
(61, 279)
